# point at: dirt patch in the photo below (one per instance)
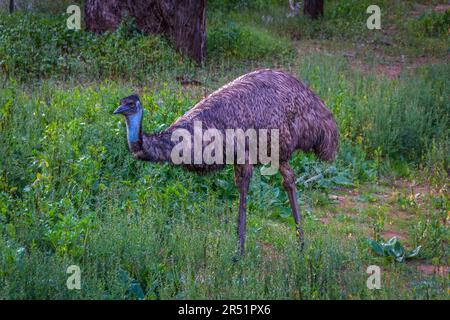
(388, 65)
(347, 201)
(400, 214)
(269, 251)
(390, 234)
(421, 8)
(442, 7)
(431, 269)
(420, 61)
(391, 71)
(394, 66)
(324, 220)
(403, 183)
(389, 29)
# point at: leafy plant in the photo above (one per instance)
(393, 248)
(134, 289)
(40, 46)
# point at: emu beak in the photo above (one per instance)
(121, 109)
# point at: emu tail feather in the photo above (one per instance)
(327, 143)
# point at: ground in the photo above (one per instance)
(349, 209)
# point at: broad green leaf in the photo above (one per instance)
(398, 249)
(413, 253)
(136, 289)
(376, 247)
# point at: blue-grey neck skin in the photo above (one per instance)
(134, 126)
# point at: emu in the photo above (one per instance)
(263, 99)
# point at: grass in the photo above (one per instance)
(232, 42)
(42, 47)
(70, 193)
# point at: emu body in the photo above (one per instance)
(263, 99)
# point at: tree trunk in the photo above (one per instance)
(313, 8)
(181, 20)
(11, 6)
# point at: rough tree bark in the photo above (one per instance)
(11, 6)
(313, 8)
(182, 20)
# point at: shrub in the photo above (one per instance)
(228, 5)
(433, 24)
(231, 41)
(40, 46)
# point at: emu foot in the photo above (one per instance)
(302, 245)
(238, 256)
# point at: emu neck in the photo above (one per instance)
(155, 147)
(134, 128)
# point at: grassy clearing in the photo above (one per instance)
(71, 194)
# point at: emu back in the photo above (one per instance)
(269, 99)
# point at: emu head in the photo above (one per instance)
(129, 106)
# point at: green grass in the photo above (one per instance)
(395, 119)
(232, 42)
(70, 193)
(40, 46)
(75, 196)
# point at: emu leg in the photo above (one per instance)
(289, 185)
(242, 176)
